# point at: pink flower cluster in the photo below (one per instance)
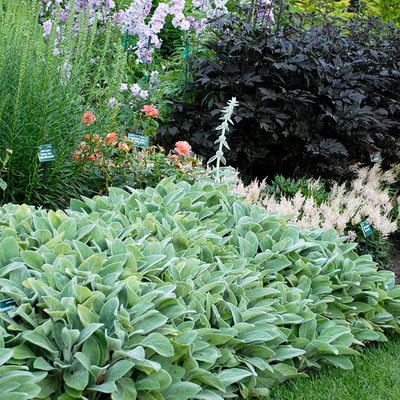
(183, 148)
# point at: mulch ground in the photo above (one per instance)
(394, 254)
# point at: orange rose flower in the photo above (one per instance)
(88, 118)
(183, 148)
(149, 110)
(110, 138)
(175, 158)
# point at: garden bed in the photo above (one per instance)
(131, 270)
(180, 289)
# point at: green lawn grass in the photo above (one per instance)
(376, 376)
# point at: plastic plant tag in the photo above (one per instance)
(366, 228)
(376, 157)
(46, 153)
(7, 305)
(139, 140)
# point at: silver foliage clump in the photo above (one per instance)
(143, 294)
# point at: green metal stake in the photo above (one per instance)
(45, 172)
(125, 44)
(147, 80)
(186, 57)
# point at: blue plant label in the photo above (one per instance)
(7, 305)
(46, 153)
(366, 228)
(376, 157)
(139, 140)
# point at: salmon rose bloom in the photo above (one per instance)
(149, 110)
(88, 118)
(110, 138)
(183, 148)
(175, 158)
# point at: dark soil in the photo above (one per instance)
(394, 254)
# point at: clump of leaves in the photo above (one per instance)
(375, 245)
(388, 10)
(47, 84)
(124, 164)
(180, 292)
(288, 187)
(3, 169)
(309, 95)
(16, 381)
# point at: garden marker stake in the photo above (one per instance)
(7, 305)
(125, 44)
(366, 228)
(46, 170)
(375, 157)
(45, 155)
(139, 140)
(147, 76)
(186, 57)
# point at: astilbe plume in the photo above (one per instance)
(365, 199)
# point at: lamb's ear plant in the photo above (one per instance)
(46, 84)
(180, 292)
(16, 381)
(221, 141)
